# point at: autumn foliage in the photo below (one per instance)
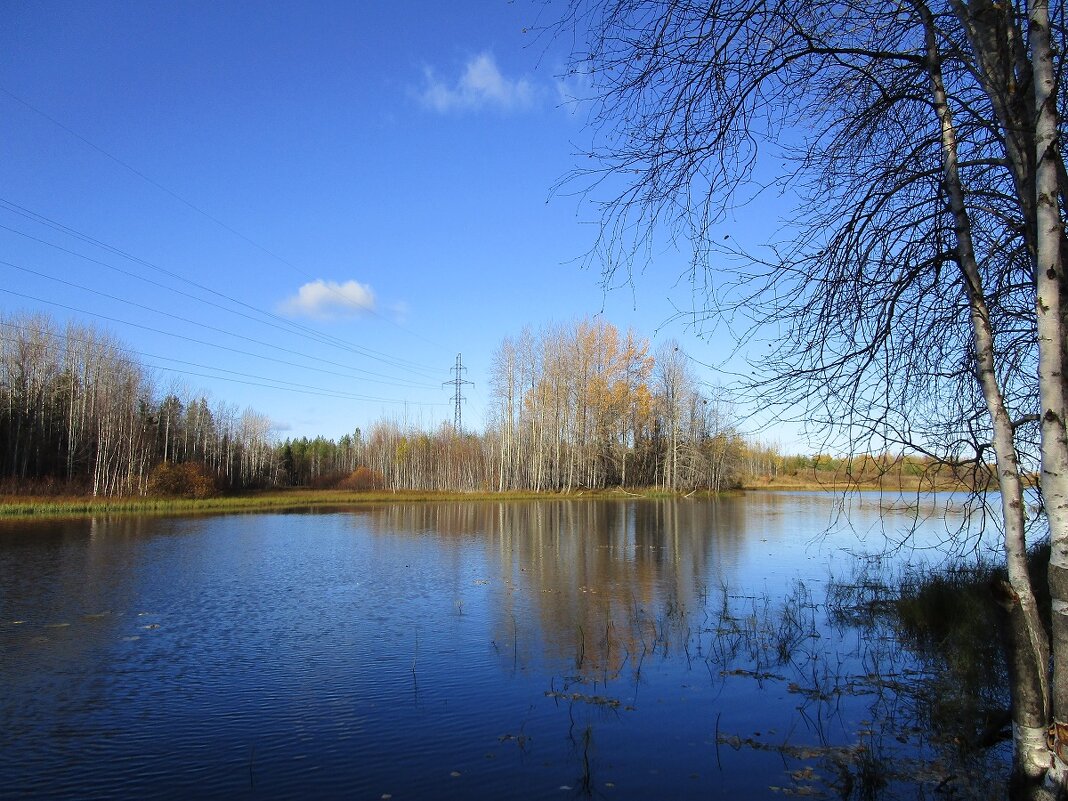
(185, 480)
(363, 478)
(584, 405)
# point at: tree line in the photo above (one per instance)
(572, 407)
(575, 406)
(584, 405)
(79, 414)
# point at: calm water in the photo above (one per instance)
(521, 650)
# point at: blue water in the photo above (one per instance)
(552, 649)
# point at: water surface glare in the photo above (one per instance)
(549, 649)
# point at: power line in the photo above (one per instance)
(191, 205)
(282, 386)
(316, 337)
(171, 334)
(457, 382)
(280, 322)
(256, 381)
(179, 318)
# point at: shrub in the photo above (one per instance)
(363, 478)
(186, 480)
(329, 480)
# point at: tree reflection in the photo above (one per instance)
(605, 599)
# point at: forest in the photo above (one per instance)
(572, 407)
(79, 415)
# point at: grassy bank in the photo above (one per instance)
(839, 481)
(24, 506)
(21, 506)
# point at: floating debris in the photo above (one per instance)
(753, 674)
(809, 692)
(802, 790)
(599, 700)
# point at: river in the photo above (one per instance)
(549, 649)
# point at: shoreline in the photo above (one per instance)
(16, 507)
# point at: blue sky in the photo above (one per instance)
(311, 160)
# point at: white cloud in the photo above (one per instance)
(481, 84)
(324, 300)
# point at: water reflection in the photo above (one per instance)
(573, 576)
(524, 646)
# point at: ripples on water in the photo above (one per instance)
(624, 649)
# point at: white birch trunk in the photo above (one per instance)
(1051, 380)
(1030, 649)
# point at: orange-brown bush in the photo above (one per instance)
(363, 478)
(186, 480)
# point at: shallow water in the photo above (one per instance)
(549, 649)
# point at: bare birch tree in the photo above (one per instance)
(919, 297)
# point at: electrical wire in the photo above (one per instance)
(280, 322)
(188, 203)
(179, 318)
(167, 333)
(324, 394)
(149, 281)
(258, 381)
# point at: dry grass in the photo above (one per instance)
(21, 506)
(837, 481)
(14, 506)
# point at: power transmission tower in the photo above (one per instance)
(458, 399)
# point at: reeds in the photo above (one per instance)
(876, 715)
